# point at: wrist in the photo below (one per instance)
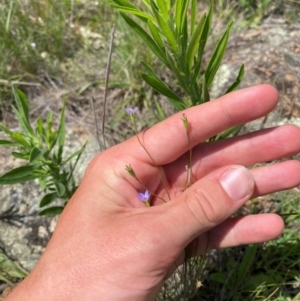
(43, 287)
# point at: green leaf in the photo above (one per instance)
(146, 38)
(8, 143)
(205, 94)
(125, 3)
(237, 81)
(203, 40)
(60, 189)
(142, 16)
(61, 132)
(23, 155)
(19, 137)
(21, 102)
(77, 153)
(155, 82)
(163, 89)
(5, 130)
(176, 72)
(181, 7)
(194, 42)
(39, 127)
(52, 211)
(233, 131)
(35, 154)
(193, 16)
(163, 9)
(22, 111)
(166, 30)
(19, 175)
(48, 199)
(217, 57)
(247, 262)
(147, 4)
(156, 35)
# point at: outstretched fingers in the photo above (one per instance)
(257, 147)
(167, 140)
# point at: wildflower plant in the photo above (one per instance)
(42, 148)
(173, 32)
(185, 282)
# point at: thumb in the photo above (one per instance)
(208, 202)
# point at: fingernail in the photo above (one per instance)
(237, 182)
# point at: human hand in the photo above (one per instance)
(109, 246)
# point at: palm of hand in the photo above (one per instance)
(131, 248)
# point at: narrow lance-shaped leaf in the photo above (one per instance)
(183, 40)
(125, 3)
(205, 94)
(48, 199)
(202, 41)
(22, 111)
(163, 9)
(146, 38)
(141, 15)
(231, 132)
(155, 82)
(35, 154)
(194, 42)
(52, 211)
(237, 81)
(247, 262)
(23, 123)
(176, 72)
(147, 4)
(22, 155)
(217, 57)
(8, 143)
(193, 16)
(181, 7)
(166, 30)
(156, 35)
(60, 189)
(79, 153)
(61, 131)
(20, 138)
(5, 130)
(19, 175)
(39, 128)
(21, 102)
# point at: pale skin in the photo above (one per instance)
(109, 246)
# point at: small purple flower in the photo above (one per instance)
(144, 197)
(131, 111)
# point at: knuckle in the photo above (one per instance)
(204, 208)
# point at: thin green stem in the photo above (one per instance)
(154, 163)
